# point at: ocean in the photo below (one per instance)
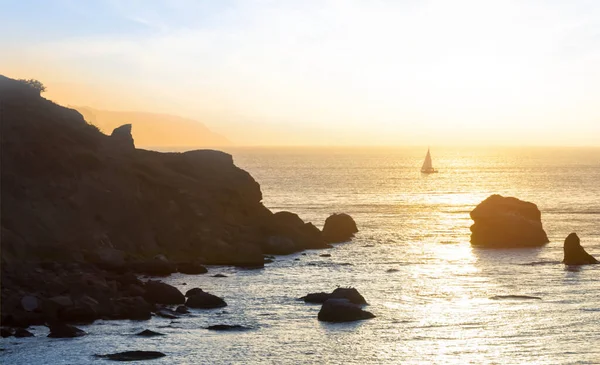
(433, 294)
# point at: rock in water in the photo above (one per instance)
(574, 252)
(205, 300)
(22, 332)
(61, 330)
(339, 228)
(350, 294)
(133, 355)
(149, 333)
(161, 293)
(341, 310)
(227, 327)
(191, 268)
(506, 222)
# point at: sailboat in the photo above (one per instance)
(427, 167)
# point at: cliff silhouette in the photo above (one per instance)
(78, 201)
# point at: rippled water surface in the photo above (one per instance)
(435, 305)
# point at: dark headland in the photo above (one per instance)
(83, 212)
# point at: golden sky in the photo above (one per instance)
(325, 72)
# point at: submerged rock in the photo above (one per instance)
(133, 355)
(149, 333)
(339, 228)
(61, 330)
(342, 310)
(182, 309)
(219, 276)
(22, 332)
(574, 252)
(507, 222)
(227, 327)
(514, 297)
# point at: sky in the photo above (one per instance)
(328, 72)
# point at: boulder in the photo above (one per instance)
(290, 234)
(219, 276)
(507, 222)
(166, 313)
(133, 355)
(339, 228)
(574, 252)
(350, 294)
(161, 293)
(6, 332)
(205, 300)
(342, 310)
(61, 330)
(191, 268)
(79, 313)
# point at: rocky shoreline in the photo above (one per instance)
(83, 214)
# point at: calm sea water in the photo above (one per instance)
(436, 306)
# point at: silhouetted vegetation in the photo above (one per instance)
(35, 84)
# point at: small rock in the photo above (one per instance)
(193, 291)
(339, 228)
(149, 333)
(351, 294)
(61, 330)
(182, 309)
(392, 270)
(227, 327)
(219, 276)
(325, 255)
(341, 310)
(574, 252)
(133, 355)
(205, 301)
(514, 297)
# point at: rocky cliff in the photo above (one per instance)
(73, 195)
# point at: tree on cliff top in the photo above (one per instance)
(35, 84)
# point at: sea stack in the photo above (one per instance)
(574, 252)
(507, 222)
(339, 228)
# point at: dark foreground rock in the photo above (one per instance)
(162, 293)
(227, 327)
(342, 310)
(204, 300)
(133, 355)
(61, 330)
(507, 222)
(350, 294)
(574, 252)
(339, 228)
(149, 333)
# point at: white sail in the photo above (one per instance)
(427, 166)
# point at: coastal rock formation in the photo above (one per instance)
(574, 252)
(342, 310)
(350, 294)
(203, 300)
(502, 222)
(82, 211)
(339, 228)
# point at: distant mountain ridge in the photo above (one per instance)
(154, 129)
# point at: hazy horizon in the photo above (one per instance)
(351, 73)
